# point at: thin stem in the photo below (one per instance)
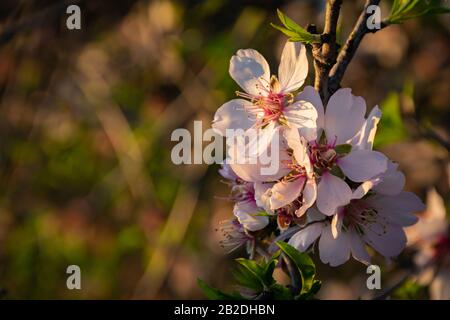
(326, 52)
(351, 45)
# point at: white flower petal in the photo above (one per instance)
(305, 237)
(293, 67)
(283, 193)
(247, 214)
(364, 139)
(227, 172)
(388, 239)
(334, 251)
(392, 181)
(362, 165)
(261, 139)
(262, 191)
(357, 247)
(310, 94)
(309, 196)
(250, 71)
(397, 209)
(332, 193)
(303, 116)
(299, 147)
(403, 202)
(344, 116)
(336, 224)
(257, 169)
(364, 188)
(232, 115)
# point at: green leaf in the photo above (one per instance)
(312, 292)
(258, 276)
(343, 148)
(403, 10)
(215, 294)
(294, 31)
(247, 279)
(304, 264)
(281, 292)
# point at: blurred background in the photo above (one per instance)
(85, 122)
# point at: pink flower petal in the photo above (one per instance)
(262, 195)
(232, 115)
(362, 165)
(357, 247)
(299, 147)
(311, 95)
(388, 239)
(332, 193)
(293, 67)
(344, 116)
(392, 181)
(364, 139)
(403, 202)
(334, 251)
(305, 237)
(257, 169)
(309, 196)
(283, 193)
(250, 71)
(247, 214)
(336, 224)
(302, 116)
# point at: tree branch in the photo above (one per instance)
(325, 53)
(348, 51)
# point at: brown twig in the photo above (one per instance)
(351, 45)
(325, 53)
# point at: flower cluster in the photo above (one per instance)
(330, 187)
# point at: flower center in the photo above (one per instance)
(242, 192)
(268, 107)
(362, 218)
(297, 170)
(234, 235)
(322, 156)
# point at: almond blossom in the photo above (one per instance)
(268, 101)
(245, 209)
(294, 193)
(341, 146)
(373, 218)
(431, 239)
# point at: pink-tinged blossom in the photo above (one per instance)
(228, 173)
(245, 209)
(269, 166)
(294, 193)
(268, 101)
(370, 218)
(343, 140)
(235, 236)
(431, 238)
